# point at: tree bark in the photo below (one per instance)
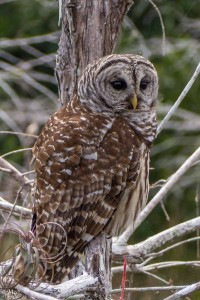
(90, 30)
(98, 264)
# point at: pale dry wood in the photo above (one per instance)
(68, 288)
(6, 206)
(140, 268)
(17, 175)
(186, 291)
(19, 133)
(98, 265)
(50, 37)
(150, 289)
(138, 252)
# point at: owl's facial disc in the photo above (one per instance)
(127, 87)
(118, 84)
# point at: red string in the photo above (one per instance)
(123, 280)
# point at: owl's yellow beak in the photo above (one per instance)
(134, 101)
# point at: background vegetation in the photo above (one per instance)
(29, 34)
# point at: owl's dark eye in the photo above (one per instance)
(119, 85)
(144, 83)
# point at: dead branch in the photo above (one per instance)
(138, 252)
(160, 196)
(46, 291)
(151, 289)
(185, 291)
(180, 99)
(50, 37)
(17, 175)
(6, 206)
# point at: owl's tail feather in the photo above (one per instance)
(31, 263)
(61, 269)
(34, 265)
(57, 272)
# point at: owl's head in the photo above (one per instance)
(119, 83)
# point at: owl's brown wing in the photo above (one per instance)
(83, 163)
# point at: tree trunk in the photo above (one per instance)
(98, 264)
(90, 30)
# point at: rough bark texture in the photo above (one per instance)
(98, 264)
(90, 30)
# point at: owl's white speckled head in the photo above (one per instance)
(110, 84)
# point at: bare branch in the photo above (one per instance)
(162, 25)
(136, 253)
(180, 98)
(185, 291)
(18, 176)
(19, 133)
(176, 245)
(160, 196)
(140, 268)
(5, 205)
(32, 294)
(51, 37)
(170, 264)
(150, 289)
(75, 286)
(168, 186)
(11, 93)
(16, 151)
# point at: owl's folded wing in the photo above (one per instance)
(82, 170)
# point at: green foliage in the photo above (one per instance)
(28, 18)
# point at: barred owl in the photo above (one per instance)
(92, 159)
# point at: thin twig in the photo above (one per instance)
(162, 25)
(10, 213)
(185, 291)
(174, 246)
(141, 268)
(151, 289)
(5, 205)
(197, 200)
(16, 151)
(155, 276)
(18, 176)
(170, 264)
(179, 100)
(51, 37)
(19, 133)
